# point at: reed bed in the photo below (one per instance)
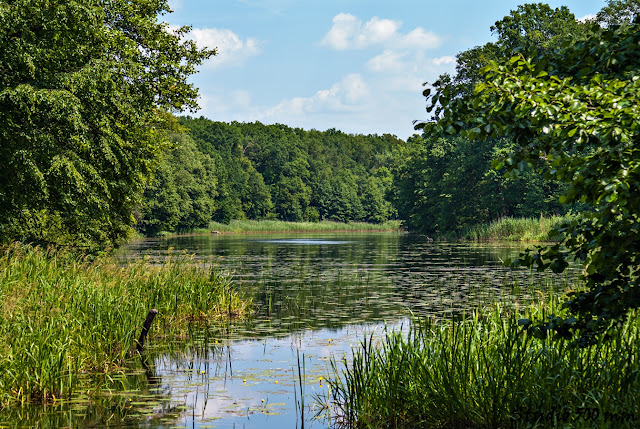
(257, 226)
(63, 316)
(485, 372)
(517, 229)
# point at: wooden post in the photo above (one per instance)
(145, 329)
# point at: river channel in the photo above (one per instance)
(316, 296)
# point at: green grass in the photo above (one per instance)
(516, 229)
(62, 316)
(484, 372)
(249, 226)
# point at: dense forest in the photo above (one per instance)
(216, 171)
(223, 171)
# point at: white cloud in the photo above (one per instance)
(241, 98)
(377, 31)
(231, 49)
(341, 35)
(348, 94)
(444, 60)
(176, 4)
(388, 61)
(589, 17)
(420, 39)
(349, 32)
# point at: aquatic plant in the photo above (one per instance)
(63, 315)
(283, 226)
(484, 371)
(517, 229)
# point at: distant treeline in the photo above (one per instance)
(220, 171)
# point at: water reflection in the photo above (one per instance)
(316, 295)
(332, 280)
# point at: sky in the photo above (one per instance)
(354, 65)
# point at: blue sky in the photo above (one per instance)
(354, 65)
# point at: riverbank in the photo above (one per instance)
(265, 226)
(63, 316)
(517, 229)
(485, 372)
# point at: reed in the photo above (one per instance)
(485, 372)
(256, 226)
(63, 315)
(517, 229)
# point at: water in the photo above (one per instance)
(317, 296)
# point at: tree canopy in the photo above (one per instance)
(275, 171)
(84, 85)
(447, 183)
(574, 112)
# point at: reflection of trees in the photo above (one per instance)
(374, 277)
(119, 401)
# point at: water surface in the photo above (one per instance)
(317, 295)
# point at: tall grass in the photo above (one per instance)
(62, 316)
(485, 372)
(239, 226)
(517, 229)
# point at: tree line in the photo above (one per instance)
(223, 171)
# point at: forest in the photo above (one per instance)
(219, 171)
(436, 184)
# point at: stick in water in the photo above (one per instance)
(145, 329)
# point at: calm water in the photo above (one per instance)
(316, 296)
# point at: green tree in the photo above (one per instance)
(182, 194)
(536, 27)
(448, 183)
(83, 88)
(161, 208)
(575, 112)
(618, 12)
(532, 27)
(256, 201)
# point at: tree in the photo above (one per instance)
(532, 27)
(575, 112)
(536, 27)
(84, 85)
(448, 184)
(618, 12)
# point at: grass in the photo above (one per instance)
(516, 229)
(485, 372)
(63, 316)
(257, 226)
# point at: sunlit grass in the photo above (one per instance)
(63, 315)
(239, 226)
(517, 229)
(485, 372)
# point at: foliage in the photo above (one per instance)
(274, 171)
(83, 88)
(575, 113)
(183, 190)
(320, 226)
(618, 12)
(447, 185)
(532, 27)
